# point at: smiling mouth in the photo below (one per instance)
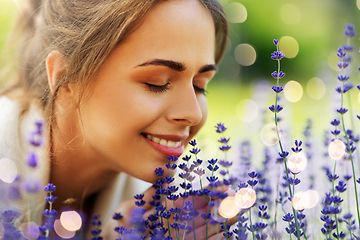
(163, 142)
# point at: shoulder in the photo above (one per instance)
(16, 121)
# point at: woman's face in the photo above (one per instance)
(148, 100)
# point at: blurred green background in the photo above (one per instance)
(310, 31)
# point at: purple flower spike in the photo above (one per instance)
(50, 188)
(343, 78)
(340, 90)
(225, 148)
(193, 142)
(277, 109)
(342, 65)
(220, 128)
(277, 55)
(159, 172)
(224, 140)
(348, 48)
(349, 30)
(340, 53)
(253, 174)
(172, 158)
(50, 199)
(335, 122)
(277, 89)
(358, 117)
(276, 42)
(32, 160)
(342, 110)
(35, 139)
(284, 154)
(117, 216)
(276, 75)
(51, 213)
(298, 143)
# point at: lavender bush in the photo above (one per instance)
(261, 203)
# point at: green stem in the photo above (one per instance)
(251, 225)
(277, 196)
(351, 158)
(185, 231)
(282, 151)
(333, 189)
(50, 209)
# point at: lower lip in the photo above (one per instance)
(166, 150)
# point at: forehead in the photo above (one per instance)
(177, 29)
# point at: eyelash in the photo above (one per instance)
(200, 90)
(164, 88)
(158, 89)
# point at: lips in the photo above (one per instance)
(167, 145)
(164, 142)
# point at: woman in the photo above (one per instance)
(121, 85)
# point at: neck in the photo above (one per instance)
(76, 169)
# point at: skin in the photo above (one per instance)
(105, 134)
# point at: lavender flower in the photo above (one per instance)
(277, 55)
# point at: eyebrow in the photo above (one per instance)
(177, 66)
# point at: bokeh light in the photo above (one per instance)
(315, 88)
(228, 208)
(8, 170)
(30, 230)
(61, 231)
(247, 110)
(307, 199)
(245, 54)
(293, 91)
(300, 200)
(268, 134)
(236, 12)
(70, 220)
(290, 14)
(359, 97)
(289, 46)
(297, 162)
(358, 4)
(336, 149)
(313, 198)
(245, 198)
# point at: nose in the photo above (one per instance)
(185, 107)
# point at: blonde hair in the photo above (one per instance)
(84, 32)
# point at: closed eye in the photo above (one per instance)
(200, 90)
(158, 88)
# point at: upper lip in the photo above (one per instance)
(174, 137)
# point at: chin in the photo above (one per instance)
(147, 173)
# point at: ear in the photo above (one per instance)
(55, 65)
